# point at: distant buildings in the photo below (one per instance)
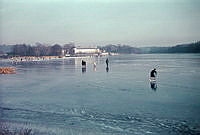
(71, 50)
(77, 51)
(86, 50)
(68, 50)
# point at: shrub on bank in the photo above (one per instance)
(5, 130)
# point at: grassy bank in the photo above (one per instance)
(6, 130)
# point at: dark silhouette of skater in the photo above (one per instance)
(153, 73)
(107, 61)
(83, 63)
(83, 66)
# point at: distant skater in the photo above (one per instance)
(83, 63)
(107, 62)
(94, 64)
(83, 66)
(94, 67)
(153, 73)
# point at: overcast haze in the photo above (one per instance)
(100, 22)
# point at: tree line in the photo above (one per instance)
(183, 48)
(120, 49)
(57, 50)
(38, 50)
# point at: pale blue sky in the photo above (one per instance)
(100, 22)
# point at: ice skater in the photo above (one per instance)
(107, 61)
(83, 63)
(94, 64)
(153, 73)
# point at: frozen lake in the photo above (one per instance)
(59, 97)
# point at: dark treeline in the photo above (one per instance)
(184, 48)
(5, 49)
(57, 50)
(39, 50)
(36, 50)
(187, 48)
(120, 49)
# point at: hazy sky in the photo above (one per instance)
(100, 22)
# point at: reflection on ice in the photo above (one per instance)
(153, 85)
(107, 69)
(83, 69)
(55, 94)
(84, 119)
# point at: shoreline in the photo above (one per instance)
(43, 58)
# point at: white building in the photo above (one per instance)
(86, 50)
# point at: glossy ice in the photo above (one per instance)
(61, 97)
